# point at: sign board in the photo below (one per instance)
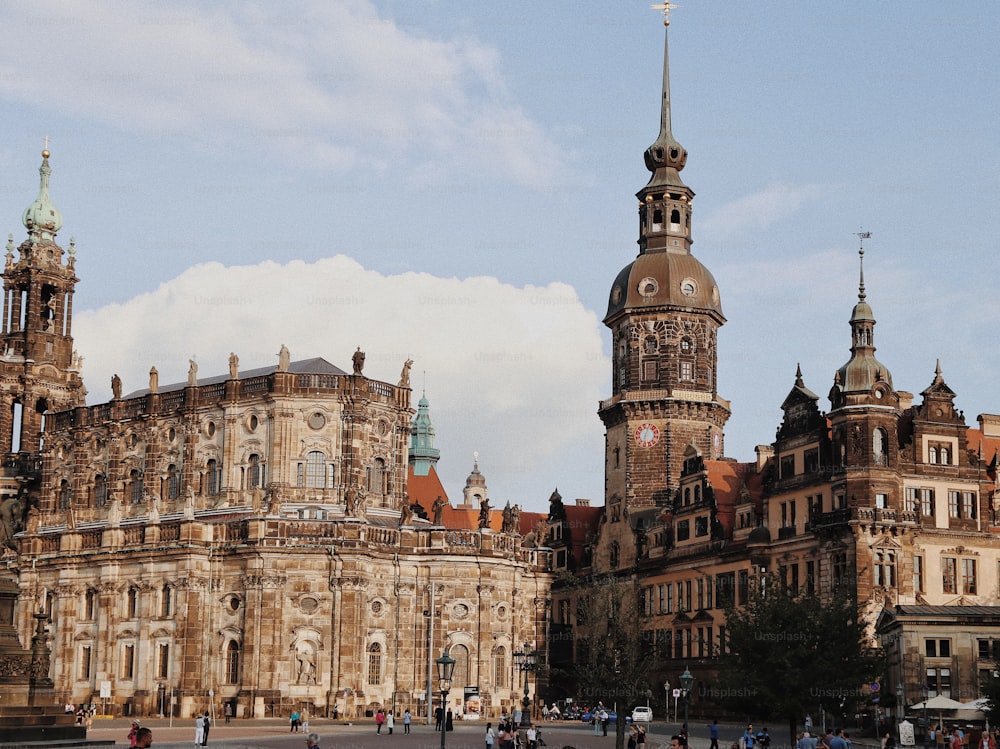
(906, 734)
(677, 693)
(105, 690)
(471, 703)
(876, 686)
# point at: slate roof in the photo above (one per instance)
(316, 365)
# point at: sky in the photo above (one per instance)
(455, 182)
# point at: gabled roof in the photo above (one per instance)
(316, 365)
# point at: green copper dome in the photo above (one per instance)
(42, 219)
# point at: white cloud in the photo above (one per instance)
(335, 84)
(515, 373)
(758, 210)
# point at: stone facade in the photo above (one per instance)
(247, 538)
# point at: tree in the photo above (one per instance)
(787, 652)
(614, 655)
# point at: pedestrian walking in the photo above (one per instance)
(379, 722)
(713, 734)
(490, 736)
(199, 729)
(206, 723)
(390, 721)
(228, 712)
(406, 720)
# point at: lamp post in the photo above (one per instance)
(445, 667)
(927, 726)
(900, 711)
(687, 681)
(666, 698)
(527, 661)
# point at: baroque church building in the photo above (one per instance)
(891, 496)
(274, 539)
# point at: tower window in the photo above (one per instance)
(657, 219)
(675, 217)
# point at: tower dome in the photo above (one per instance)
(42, 219)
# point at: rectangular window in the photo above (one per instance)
(810, 461)
(163, 661)
(912, 503)
(663, 603)
(927, 502)
(670, 599)
(85, 654)
(918, 574)
(687, 595)
(930, 648)
(725, 585)
(944, 648)
(984, 649)
(743, 588)
(649, 370)
(811, 578)
(683, 530)
(969, 505)
(787, 466)
(969, 577)
(687, 371)
(795, 577)
(954, 510)
(949, 575)
(701, 526)
(128, 661)
(708, 592)
(841, 502)
(882, 500)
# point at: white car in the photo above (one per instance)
(642, 714)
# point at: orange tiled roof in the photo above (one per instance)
(728, 479)
(424, 489)
(987, 447)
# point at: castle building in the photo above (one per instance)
(891, 497)
(274, 539)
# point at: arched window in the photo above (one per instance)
(880, 446)
(132, 603)
(315, 470)
(173, 482)
(675, 216)
(90, 605)
(697, 493)
(232, 663)
(932, 455)
(65, 495)
(500, 667)
(375, 664)
(213, 477)
(255, 477)
(135, 489)
(100, 490)
(944, 456)
(461, 655)
(166, 601)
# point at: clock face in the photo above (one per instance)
(646, 435)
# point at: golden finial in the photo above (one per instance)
(45, 150)
(666, 8)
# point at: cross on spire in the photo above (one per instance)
(666, 8)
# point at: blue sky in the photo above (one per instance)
(455, 182)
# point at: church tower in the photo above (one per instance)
(38, 371)
(664, 313)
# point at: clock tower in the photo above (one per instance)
(664, 313)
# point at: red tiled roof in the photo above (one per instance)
(728, 479)
(987, 447)
(425, 489)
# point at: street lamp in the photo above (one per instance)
(687, 681)
(900, 711)
(666, 695)
(527, 661)
(446, 667)
(927, 726)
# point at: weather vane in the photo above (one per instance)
(862, 236)
(666, 8)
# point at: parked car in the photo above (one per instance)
(642, 714)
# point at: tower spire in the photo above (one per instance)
(665, 157)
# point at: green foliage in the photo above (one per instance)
(614, 658)
(789, 653)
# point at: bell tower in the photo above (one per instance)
(38, 371)
(664, 313)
